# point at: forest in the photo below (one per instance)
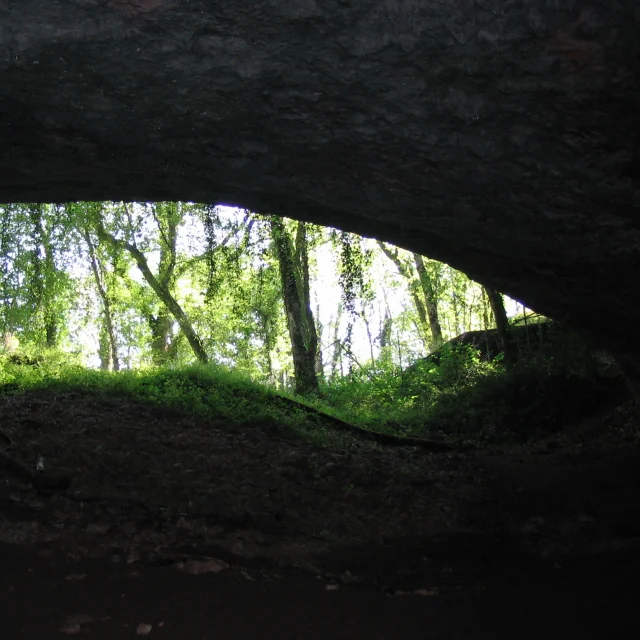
(324, 314)
(221, 421)
(372, 337)
(138, 284)
(215, 390)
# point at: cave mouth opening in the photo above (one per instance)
(105, 308)
(410, 491)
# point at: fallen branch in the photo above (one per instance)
(435, 446)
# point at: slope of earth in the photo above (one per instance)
(292, 540)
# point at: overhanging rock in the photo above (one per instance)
(500, 136)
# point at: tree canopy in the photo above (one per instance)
(130, 285)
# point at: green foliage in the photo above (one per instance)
(36, 291)
(462, 397)
(207, 392)
(221, 270)
(62, 266)
(459, 366)
(366, 395)
(379, 396)
(458, 399)
(30, 365)
(352, 267)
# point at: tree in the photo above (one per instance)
(227, 285)
(502, 325)
(167, 217)
(336, 355)
(108, 350)
(36, 290)
(11, 250)
(43, 274)
(385, 330)
(242, 317)
(80, 216)
(421, 289)
(430, 299)
(293, 260)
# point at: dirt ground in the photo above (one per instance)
(175, 528)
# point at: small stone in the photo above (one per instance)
(199, 567)
(98, 528)
(73, 624)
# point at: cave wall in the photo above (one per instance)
(500, 136)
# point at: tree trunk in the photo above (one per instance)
(423, 328)
(319, 358)
(108, 361)
(160, 326)
(367, 326)
(104, 349)
(10, 342)
(502, 325)
(44, 275)
(51, 320)
(430, 301)
(485, 308)
(427, 310)
(336, 357)
(171, 304)
(294, 277)
(385, 330)
(266, 345)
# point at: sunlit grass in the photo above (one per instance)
(208, 393)
(460, 398)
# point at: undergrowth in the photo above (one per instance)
(464, 398)
(204, 391)
(460, 397)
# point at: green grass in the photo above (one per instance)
(209, 393)
(463, 398)
(206, 392)
(460, 399)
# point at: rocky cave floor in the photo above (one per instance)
(175, 528)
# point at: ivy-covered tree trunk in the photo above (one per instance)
(294, 275)
(485, 309)
(422, 293)
(108, 346)
(43, 276)
(104, 349)
(385, 330)
(160, 325)
(319, 358)
(167, 216)
(336, 355)
(502, 325)
(51, 319)
(430, 301)
(266, 346)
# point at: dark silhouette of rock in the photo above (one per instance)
(527, 340)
